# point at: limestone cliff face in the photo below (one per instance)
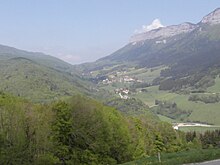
(212, 18)
(169, 31)
(164, 32)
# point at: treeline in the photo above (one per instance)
(136, 85)
(198, 81)
(205, 98)
(79, 131)
(208, 139)
(170, 109)
(130, 106)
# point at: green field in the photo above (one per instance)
(166, 119)
(201, 112)
(148, 75)
(183, 157)
(216, 87)
(208, 113)
(152, 94)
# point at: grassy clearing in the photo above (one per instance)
(152, 94)
(166, 119)
(208, 113)
(202, 112)
(150, 74)
(215, 88)
(183, 157)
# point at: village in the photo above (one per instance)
(122, 92)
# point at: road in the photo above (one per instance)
(177, 125)
(214, 162)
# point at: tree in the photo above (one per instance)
(63, 135)
(159, 145)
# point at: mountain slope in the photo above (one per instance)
(7, 52)
(37, 76)
(187, 49)
(171, 69)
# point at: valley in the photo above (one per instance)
(139, 84)
(156, 100)
(173, 70)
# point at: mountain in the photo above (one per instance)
(43, 78)
(172, 69)
(212, 18)
(37, 76)
(163, 32)
(151, 44)
(7, 52)
(186, 48)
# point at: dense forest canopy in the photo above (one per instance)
(79, 130)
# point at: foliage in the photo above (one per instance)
(211, 98)
(77, 131)
(24, 132)
(91, 133)
(207, 139)
(130, 106)
(170, 109)
(32, 79)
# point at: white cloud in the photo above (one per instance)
(154, 25)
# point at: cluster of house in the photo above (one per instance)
(125, 79)
(122, 92)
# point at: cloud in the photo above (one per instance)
(154, 25)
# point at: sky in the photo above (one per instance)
(79, 31)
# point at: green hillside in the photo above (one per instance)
(38, 77)
(26, 78)
(7, 52)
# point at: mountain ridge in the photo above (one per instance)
(172, 30)
(7, 52)
(38, 77)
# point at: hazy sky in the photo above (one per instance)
(84, 30)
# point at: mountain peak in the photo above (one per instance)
(212, 18)
(164, 32)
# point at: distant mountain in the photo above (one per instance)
(187, 49)
(37, 76)
(7, 52)
(163, 32)
(150, 44)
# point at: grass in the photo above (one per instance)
(208, 113)
(202, 112)
(215, 88)
(166, 119)
(150, 74)
(152, 94)
(177, 158)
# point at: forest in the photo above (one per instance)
(80, 130)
